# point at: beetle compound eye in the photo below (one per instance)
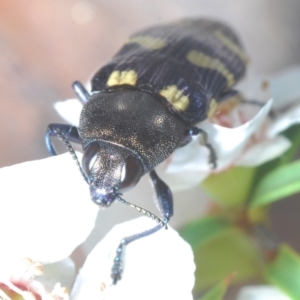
(89, 157)
(131, 173)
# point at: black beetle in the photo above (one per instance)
(145, 103)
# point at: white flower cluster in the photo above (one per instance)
(46, 212)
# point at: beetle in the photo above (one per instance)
(145, 103)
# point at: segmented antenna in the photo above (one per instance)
(71, 150)
(145, 212)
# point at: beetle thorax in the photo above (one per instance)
(133, 120)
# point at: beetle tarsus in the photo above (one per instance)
(67, 134)
(196, 131)
(212, 155)
(117, 268)
(69, 131)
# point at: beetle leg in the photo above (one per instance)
(164, 197)
(196, 131)
(69, 131)
(81, 92)
(164, 203)
(67, 134)
(117, 269)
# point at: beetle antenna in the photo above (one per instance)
(71, 150)
(145, 212)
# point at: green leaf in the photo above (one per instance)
(230, 187)
(229, 251)
(281, 182)
(258, 215)
(198, 232)
(293, 134)
(218, 291)
(284, 272)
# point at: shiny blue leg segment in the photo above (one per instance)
(81, 92)
(164, 203)
(69, 131)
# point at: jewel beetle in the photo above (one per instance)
(145, 103)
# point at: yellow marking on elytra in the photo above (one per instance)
(122, 77)
(175, 97)
(212, 108)
(147, 42)
(235, 48)
(205, 61)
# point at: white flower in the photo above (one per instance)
(261, 292)
(45, 209)
(46, 212)
(159, 266)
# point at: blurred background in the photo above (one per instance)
(46, 45)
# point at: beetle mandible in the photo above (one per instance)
(145, 103)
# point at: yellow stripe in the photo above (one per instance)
(236, 49)
(147, 42)
(175, 97)
(122, 77)
(205, 61)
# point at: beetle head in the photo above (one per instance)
(111, 170)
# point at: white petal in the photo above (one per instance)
(230, 143)
(45, 209)
(227, 142)
(251, 86)
(69, 110)
(181, 180)
(261, 292)
(63, 271)
(159, 266)
(264, 151)
(284, 121)
(192, 157)
(285, 87)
